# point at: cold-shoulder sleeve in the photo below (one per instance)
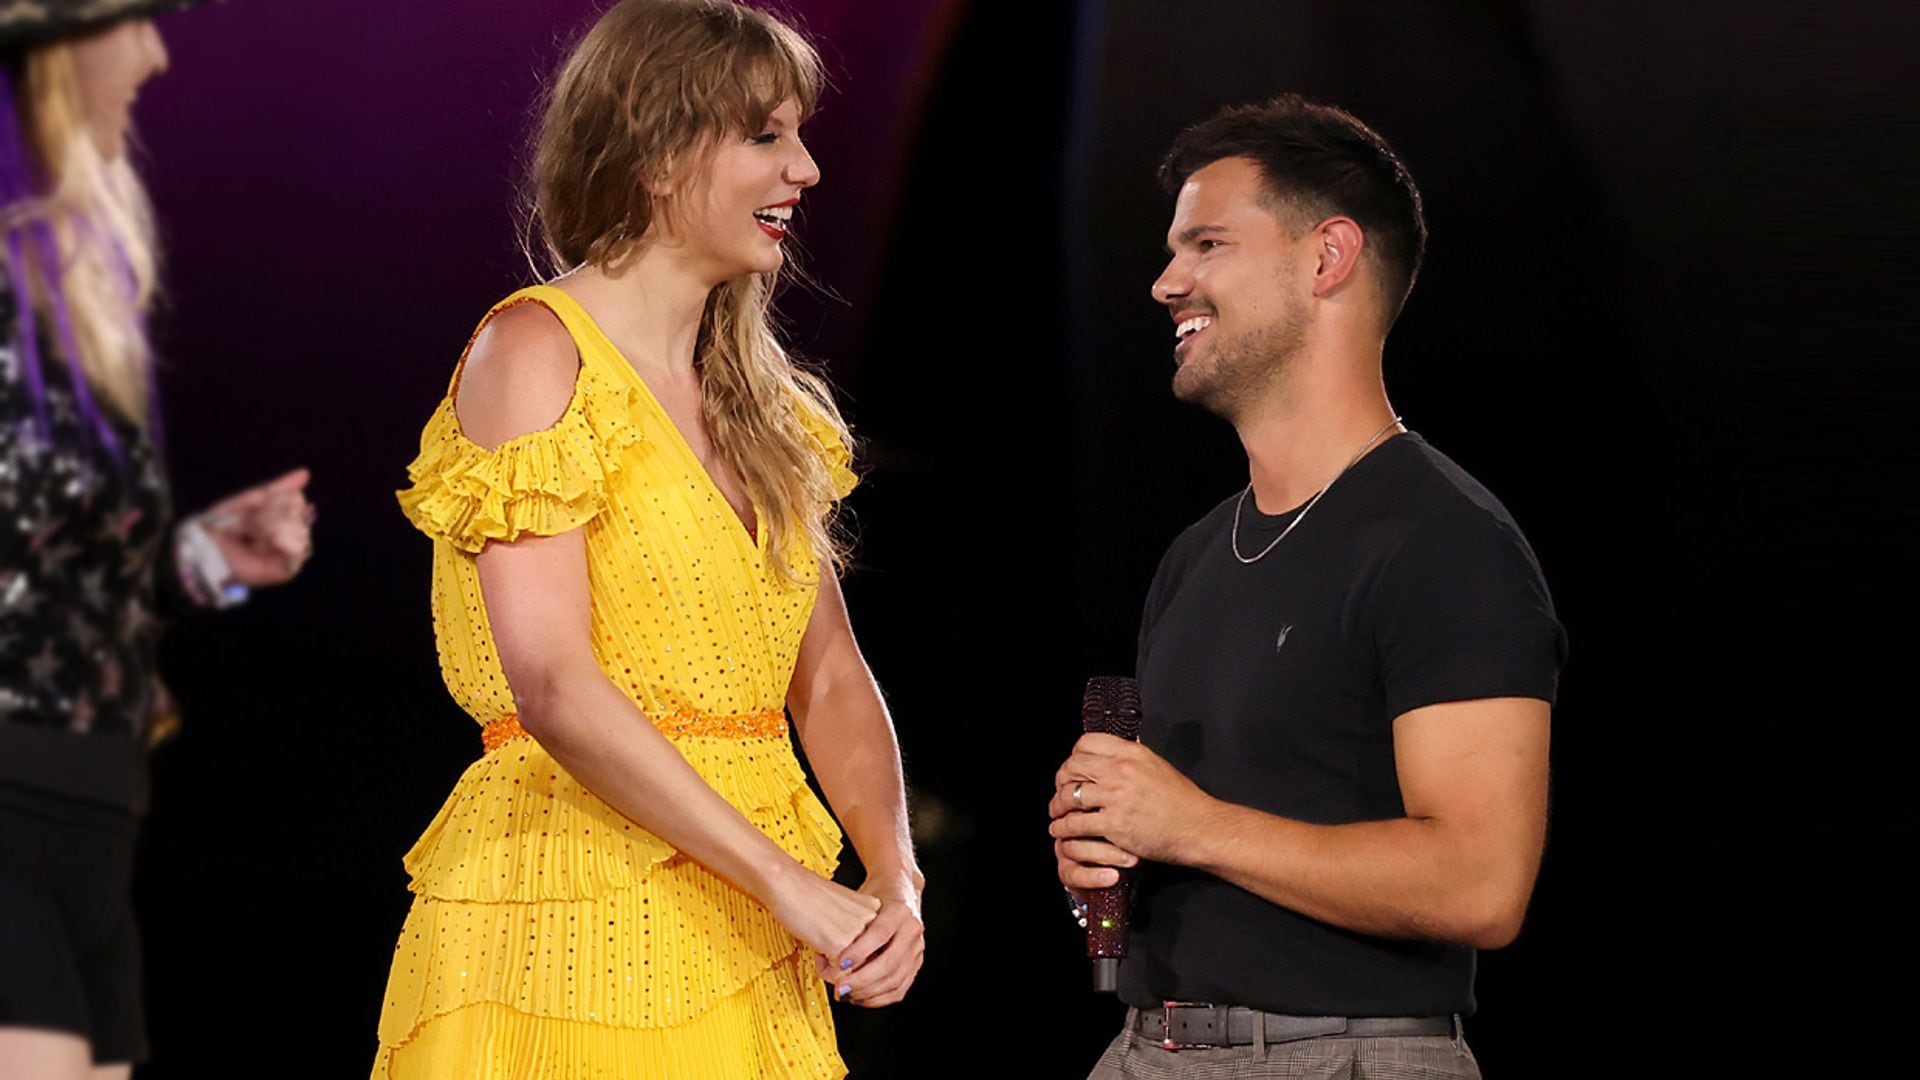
(833, 449)
(542, 483)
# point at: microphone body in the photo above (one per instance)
(1111, 706)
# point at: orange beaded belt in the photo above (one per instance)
(765, 724)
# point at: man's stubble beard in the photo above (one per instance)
(1244, 370)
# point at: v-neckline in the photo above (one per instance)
(755, 537)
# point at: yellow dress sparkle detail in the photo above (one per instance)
(550, 937)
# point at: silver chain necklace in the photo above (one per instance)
(1302, 516)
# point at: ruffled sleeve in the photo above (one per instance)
(830, 446)
(542, 483)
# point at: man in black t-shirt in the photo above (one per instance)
(1346, 669)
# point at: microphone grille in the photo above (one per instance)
(1111, 706)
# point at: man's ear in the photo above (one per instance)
(1338, 243)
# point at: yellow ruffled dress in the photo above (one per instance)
(551, 938)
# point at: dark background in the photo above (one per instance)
(1621, 329)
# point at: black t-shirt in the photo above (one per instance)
(1275, 685)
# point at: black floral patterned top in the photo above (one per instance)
(81, 535)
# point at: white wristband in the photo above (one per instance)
(204, 569)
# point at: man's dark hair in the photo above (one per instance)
(1318, 161)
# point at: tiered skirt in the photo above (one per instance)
(553, 939)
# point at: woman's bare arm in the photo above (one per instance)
(850, 742)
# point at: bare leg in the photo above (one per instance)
(112, 1072)
(36, 1054)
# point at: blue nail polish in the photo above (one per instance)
(845, 989)
(847, 963)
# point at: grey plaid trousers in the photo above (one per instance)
(1406, 1057)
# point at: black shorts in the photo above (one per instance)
(69, 953)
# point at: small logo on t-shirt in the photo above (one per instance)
(1282, 639)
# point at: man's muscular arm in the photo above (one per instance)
(1458, 867)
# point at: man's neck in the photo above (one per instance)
(1307, 432)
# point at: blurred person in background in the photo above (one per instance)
(92, 561)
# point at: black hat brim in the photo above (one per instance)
(26, 23)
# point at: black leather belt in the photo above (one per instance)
(1186, 1025)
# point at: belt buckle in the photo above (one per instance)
(1168, 1042)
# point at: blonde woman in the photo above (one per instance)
(629, 488)
(89, 555)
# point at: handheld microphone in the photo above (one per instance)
(1111, 706)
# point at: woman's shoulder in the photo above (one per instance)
(519, 374)
(526, 443)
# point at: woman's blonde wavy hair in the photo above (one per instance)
(102, 223)
(649, 89)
